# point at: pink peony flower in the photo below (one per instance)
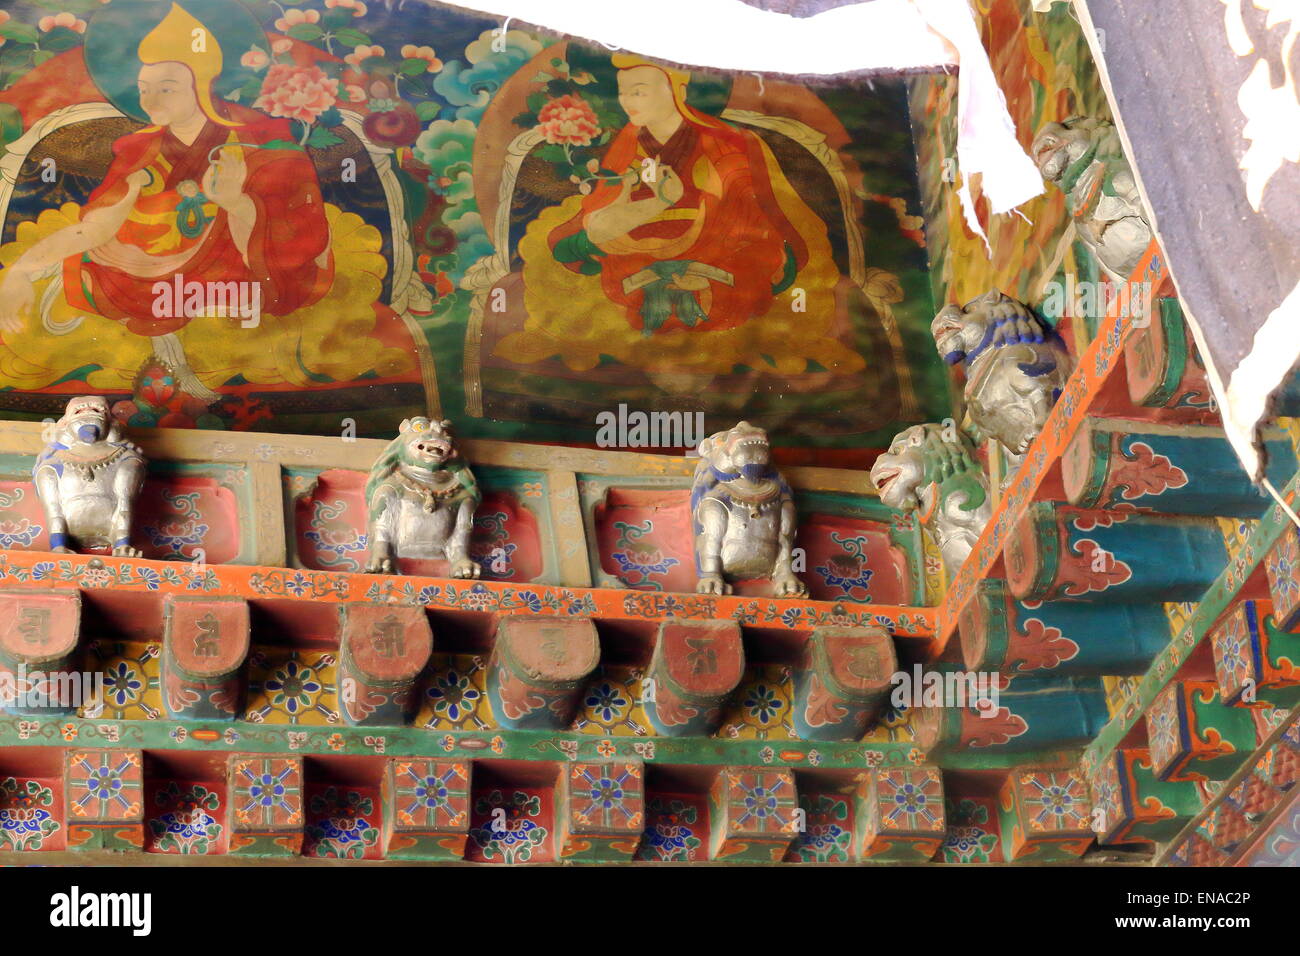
(297, 92)
(293, 17)
(356, 6)
(255, 59)
(425, 53)
(568, 120)
(46, 24)
(281, 45)
(362, 53)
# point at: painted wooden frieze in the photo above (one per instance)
(1000, 633)
(39, 634)
(1122, 465)
(1056, 552)
(1255, 662)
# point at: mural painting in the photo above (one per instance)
(1043, 66)
(316, 216)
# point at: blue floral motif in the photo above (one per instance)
(606, 702)
(122, 684)
(293, 687)
(529, 599)
(763, 704)
(640, 560)
(453, 695)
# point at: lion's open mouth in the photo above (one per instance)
(433, 450)
(886, 478)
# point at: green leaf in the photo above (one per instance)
(60, 39)
(21, 32)
(427, 110)
(11, 123)
(320, 137)
(79, 7)
(40, 56)
(376, 64)
(15, 57)
(306, 32)
(251, 90)
(331, 117)
(280, 144)
(551, 152)
(352, 37)
(412, 66)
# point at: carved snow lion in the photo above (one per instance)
(421, 498)
(932, 469)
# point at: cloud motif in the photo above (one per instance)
(446, 147)
(470, 86)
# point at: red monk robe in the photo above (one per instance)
(728, 217)
(289, 236)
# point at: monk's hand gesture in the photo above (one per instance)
(16, 298)
(223, 183)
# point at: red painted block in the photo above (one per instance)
(426, 809)
(1046, 815)
(900, 815)
(695, 665)
(384, 649)
(38, 641)
(538, 669)
(601, 810)
(266, 805)
(755, 813)
(205, 643)
(105, 799)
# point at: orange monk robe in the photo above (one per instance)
(289, 235)
(728, 217)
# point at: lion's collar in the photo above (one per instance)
(751, 494)
(87, 458)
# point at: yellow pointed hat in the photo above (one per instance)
(182, 38)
